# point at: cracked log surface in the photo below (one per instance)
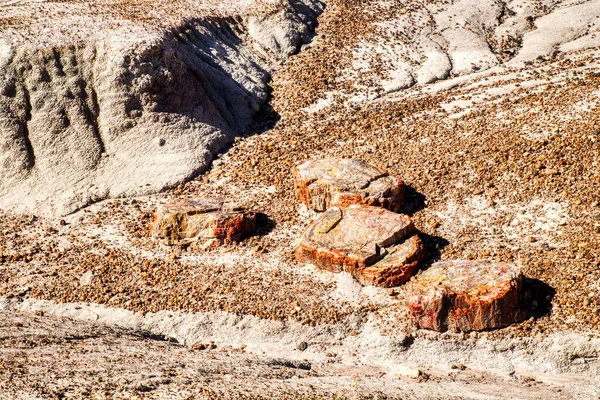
(468, 296)
(340, 182)
(205, 223)
(378, 247)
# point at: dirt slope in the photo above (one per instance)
(121, 99)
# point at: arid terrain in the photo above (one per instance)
(487, 110)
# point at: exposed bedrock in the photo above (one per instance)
(122, 116)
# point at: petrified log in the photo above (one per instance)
(375, 245)
(207, 222)
(468, 296)
(321, 184)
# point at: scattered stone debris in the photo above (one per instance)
(468, 295)
(375, 245)
(204, 346)
(321, 184)
(207, 223)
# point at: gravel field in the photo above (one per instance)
(500, 163)
(509, 177)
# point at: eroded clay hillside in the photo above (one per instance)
(122, 98)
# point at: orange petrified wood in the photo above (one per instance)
(340, 182)
(375, 245)
(468, 295)
(207, 222)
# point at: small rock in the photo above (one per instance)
(86, 279)
(467, 296)
(378, 247)
(206, 222)
(321, 184)
(405, 370)
(302, 346)
(460, 367)
(586, 302)
(404, 340)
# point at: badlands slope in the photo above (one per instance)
(487, 110)
(124, 98)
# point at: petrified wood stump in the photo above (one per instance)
(375, 245)
(468, 296)
(205, 222)
(321, 184)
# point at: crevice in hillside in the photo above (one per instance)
(93, 114)
(25, 128)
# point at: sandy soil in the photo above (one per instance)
(95, 361)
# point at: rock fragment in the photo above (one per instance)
(207, 222)
(407, 371)
(375, 245)
(397, 266)
(468, 296)
(86, 278)
(321, 184)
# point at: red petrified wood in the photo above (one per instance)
(205, 222)
(375, 245)
(468, 296)
(321, 184)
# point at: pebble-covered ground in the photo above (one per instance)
(502, 166)
(499, 165)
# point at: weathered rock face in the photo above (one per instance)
(207, 223)
(467, 296)
(340, 182)
(122, 109)
(375, 245)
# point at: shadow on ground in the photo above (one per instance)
(539, 295)
(264, 224)
(433, 246)
(413, 201)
